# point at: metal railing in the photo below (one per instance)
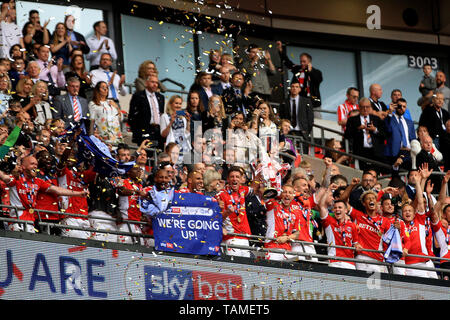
(137, 239)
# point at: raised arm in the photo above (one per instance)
(440, 203)
(419, 200)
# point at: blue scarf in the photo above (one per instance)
(393, 240)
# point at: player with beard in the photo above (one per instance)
(371, 227)
(194, 183)
(232, 202)
(282, 223)
(340, 231)
(23, 190)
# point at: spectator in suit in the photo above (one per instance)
(309, 77)
(395, 95)
(70, 107)
(237, 97)
(146, 108)
(299, 111)
(379, 108)
(399, 133)
(77, 40)
(425, 156)
(224, 80)
(203, 85)
(434, 117)
(416, 147)
(366, 134)
(445, 141)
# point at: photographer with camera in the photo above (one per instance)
(258, 66)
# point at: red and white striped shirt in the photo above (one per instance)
(344, 110)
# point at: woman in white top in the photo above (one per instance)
(41, 107)
(264, 126)
(416, 148)
(106, 115)
(175, 125)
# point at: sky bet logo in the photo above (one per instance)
(177, 284)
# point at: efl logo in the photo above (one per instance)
(176, 210)
(177, 284)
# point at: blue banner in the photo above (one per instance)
(192, 224)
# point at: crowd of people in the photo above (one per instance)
(219, 143)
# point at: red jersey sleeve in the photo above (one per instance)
(43, 185)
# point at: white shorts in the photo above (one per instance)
(74, 222)
(400, 270)
(304, 248)
(236, 251)
(422, 273)
(342, 264)
(100, 224)
(275, 256)
(131, 227)
(20, 227)
(369, 267)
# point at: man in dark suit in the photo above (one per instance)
(237, 97)
(309, 77)
(146, 108)
(434, 117)
(299, 111)
(444, 140)
(203, 85)
(399, 133)
(224, 81)
(366, 134)
(70, 107)
(425, 156)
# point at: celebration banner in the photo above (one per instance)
(192, 224)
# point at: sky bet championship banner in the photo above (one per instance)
(191, 224)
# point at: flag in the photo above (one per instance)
(393, 240)
(95, 152)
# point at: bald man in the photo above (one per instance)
(23, 192)
(379, 108)
(442, 88)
